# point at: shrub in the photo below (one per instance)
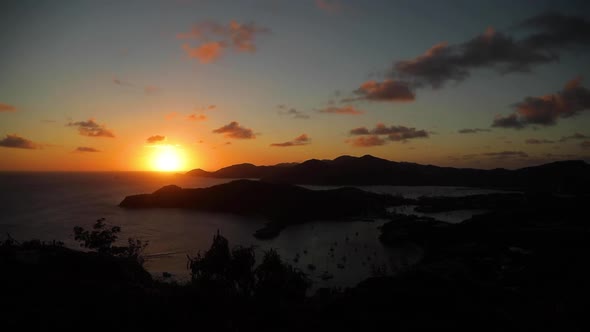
(102, 238)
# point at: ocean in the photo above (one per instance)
(47, 206)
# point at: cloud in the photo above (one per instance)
(359, 131)
(171, 115)
(302, 139)
(472, 131)
(554, 30)
(538, 141)
(349, 110)
(394, 133)
(546, 110)
(15, 141)
(206, 53)
(548, 35)
(197, 117)
(148, 89)
(86, 149)
(234, 130)
(214, 39)
(509, 121)
(388, 91)
(91, 129)
(151, 90)
(366, 141)
(329, 6)
(292, 112)
(156, 139)
(7, 108)
(121, 82)
(506, 154)
(574, 136)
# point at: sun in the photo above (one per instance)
(167, 158)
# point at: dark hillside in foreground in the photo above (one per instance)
(513, 269)
(571, 176)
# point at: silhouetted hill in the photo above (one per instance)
(562, 176)
(282, 204)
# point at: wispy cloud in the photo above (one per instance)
(7, 108)
(347, 110)
(329, 6)
(234, 130)
(506, 154)
(155, 139)
(538, 141)
(86, 149)
(366, 141)
(472, 130)
(213, 39)
(291, 112)
(302, 139)
(196, 117)
(149, 90)
(91, 129)
(576, 136)
(18, 142)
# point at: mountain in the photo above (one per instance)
(561, 176)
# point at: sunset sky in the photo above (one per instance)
(136, 85)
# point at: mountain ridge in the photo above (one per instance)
(561, 176)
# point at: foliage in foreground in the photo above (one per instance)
(234, 271)
(102, 239)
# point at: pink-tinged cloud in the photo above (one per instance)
(205, 53)
(151, 90)
(302, 139)
(86, 149)
(548, 109)
(213, 39)
(387, 91)
(347, 110)
(171, 115)
(234, 130)
(366, 141)
(329, 6)
(155, 139)
(91, 129)
(7, 108)
(18, 142)
(196, 117)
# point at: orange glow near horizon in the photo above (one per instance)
(168, 158)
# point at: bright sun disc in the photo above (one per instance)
(167, 159)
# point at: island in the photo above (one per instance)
(280, 204)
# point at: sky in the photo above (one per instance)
(181, 84)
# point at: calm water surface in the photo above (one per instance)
(47, 206)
